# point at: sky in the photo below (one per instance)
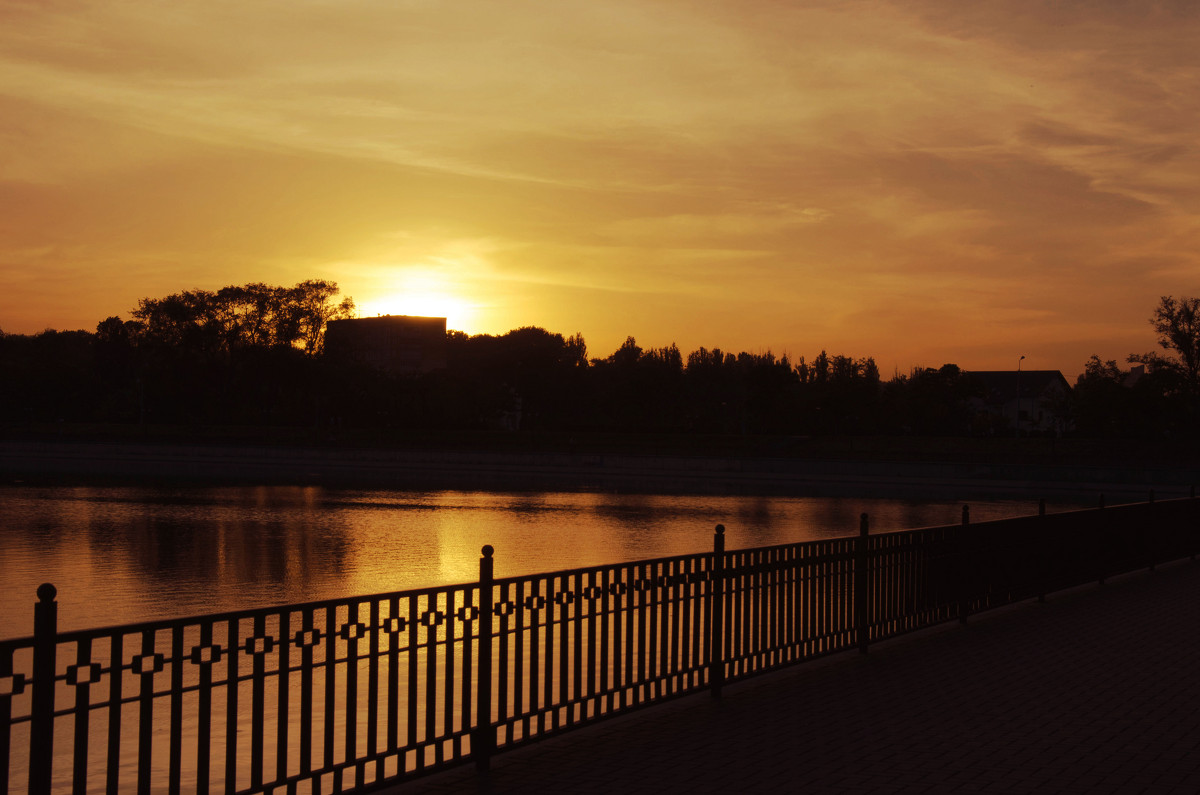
(922, 182)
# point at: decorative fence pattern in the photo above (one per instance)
(347, 694)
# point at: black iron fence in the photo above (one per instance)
(347, 694)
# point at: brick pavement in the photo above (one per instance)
(1094, 691)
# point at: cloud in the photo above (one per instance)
(764, 173)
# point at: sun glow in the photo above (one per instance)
(424, 295)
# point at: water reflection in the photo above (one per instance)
(122, 554)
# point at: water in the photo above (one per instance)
(124, 554)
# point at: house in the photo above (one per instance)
(1135, 374)
(1032, 402)
(396, 344)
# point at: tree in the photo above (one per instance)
(313, 301)
(938, 402)
(627, 355)
(529, 376)
(1101, 399)
(239, 317)
(48, 376)
(1177, 322)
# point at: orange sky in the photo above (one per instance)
(924, 181)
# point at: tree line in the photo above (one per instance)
(253, 355)
(1158, 396)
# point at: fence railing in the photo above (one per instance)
(344, 694)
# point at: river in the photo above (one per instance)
(119, 554)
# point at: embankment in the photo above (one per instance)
(82, 462)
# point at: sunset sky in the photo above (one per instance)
(924, 181)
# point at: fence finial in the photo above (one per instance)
(46, 592)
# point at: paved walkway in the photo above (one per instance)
(1095, 691)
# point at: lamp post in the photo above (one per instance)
(1017, 417)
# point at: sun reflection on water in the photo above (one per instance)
(122, 554)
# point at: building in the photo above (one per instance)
(396, 344)
(1033, 402)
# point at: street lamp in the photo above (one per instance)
(1018, 413)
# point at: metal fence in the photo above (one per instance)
(348, 694)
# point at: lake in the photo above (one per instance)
(124, 554)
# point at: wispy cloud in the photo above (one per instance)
(917, 180)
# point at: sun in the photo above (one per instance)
(423, 295)
(457, 311)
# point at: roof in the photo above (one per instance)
(1002, 384)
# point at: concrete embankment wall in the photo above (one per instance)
(415, 469)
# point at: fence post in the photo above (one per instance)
(716, 612)
(483, 738)
(1152, 551)
(1043, 568)
(1106, 534)
(862, 574)
(45, 666)
(964, 578)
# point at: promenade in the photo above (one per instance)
(1095, 691)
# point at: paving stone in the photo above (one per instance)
(1092, 691)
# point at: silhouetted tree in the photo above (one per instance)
(849, 395)
(769, 387)
(638, 390)
(118, 370)
(246, 354)
(839, 394)
(233, 355)
(315, 302)
(716, 396)
(936, 402)
(528, 377)
(254, 315)
(1101, 399)
(1177, 322)
(50, 376)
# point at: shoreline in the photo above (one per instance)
(416, 469)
